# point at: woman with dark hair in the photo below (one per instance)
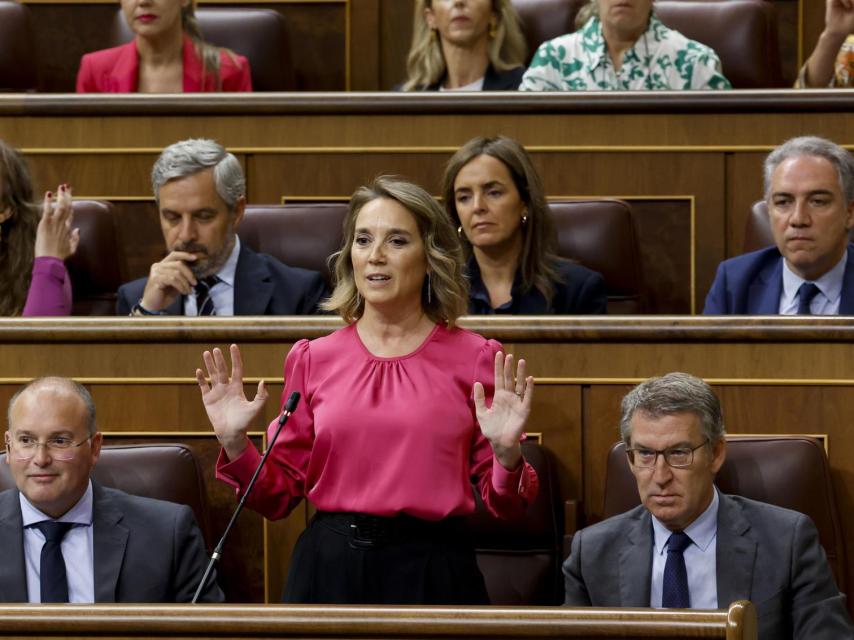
(167, 55)
(465, 45)
(33, 278)
(393, 423)
(495, 195)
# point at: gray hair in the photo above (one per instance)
(71, 385)
(189, 157)
(670, 394)
(813, 146)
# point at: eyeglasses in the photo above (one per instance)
(674, 456)
(24, 447)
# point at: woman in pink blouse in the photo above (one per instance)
(33, 278)
(167, 55)
(393, 424)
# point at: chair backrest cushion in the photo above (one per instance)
(94, 269)
(161, 471)
(520, 559)
(600, 234)
(18, 54)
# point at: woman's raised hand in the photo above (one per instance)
(54, 236)
(229, 411)
(504, 422)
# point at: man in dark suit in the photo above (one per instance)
(67, 539)
(809, 187)
(201, 194)
(689, 546)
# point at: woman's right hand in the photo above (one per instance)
(55, 238)
(229, 411)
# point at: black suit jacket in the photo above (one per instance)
(145, 550)
(766, 554)
(263, 286)
(495, 80)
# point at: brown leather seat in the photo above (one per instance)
(520, 559)
(18, 59)
(162, 471)
(94, 268)
(757, 230)
(742, 32)
(600, 235)
(259, 34)
(300, 235)
(788, 471)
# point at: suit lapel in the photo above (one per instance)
(764, 296)
(13, 574)
(846, 300)
(253, 287)
(735, 553)
(635, 558)
(124, 76)
(110, 541)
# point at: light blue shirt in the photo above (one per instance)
(77, 549)
(825, 302)
(700, 560)
(222, 292)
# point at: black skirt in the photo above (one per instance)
(344, 558)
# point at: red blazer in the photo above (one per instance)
(116, 70)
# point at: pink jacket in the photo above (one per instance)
(116, 70)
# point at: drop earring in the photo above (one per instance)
(429, 289)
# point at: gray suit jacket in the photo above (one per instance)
(144, 550)
(263, 286)
(765, 554)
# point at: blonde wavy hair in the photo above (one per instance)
(448, 295)
(425, 64)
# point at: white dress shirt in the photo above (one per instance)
(222, 293)
(77, 549)
(825, 302)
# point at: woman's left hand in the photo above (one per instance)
(55, 238)
(504, 422)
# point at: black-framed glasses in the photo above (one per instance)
(24, 447)
(673, 456)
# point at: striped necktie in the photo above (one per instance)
(204, 302)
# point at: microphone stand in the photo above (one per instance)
(290, 407)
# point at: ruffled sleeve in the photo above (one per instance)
(505, 494)
(281, 484)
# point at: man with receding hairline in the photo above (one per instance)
(66, 538)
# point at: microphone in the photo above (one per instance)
(290, 407)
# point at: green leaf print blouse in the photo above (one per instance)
(660, 59)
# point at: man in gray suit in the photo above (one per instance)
(67, 539)
(690, 546)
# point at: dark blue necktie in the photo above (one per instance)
(54, 583)
(204, 302)
(806, 293)
(675, 593)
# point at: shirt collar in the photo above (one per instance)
(478, 292)
(829, 285)
(80, 513)
(702, 531)
(593, 42)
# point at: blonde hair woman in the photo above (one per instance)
(463, 45)
(393, 424)
(167, 55)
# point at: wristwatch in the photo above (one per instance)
(139, 310)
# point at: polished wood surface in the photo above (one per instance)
(212, 621)
(774, 375)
